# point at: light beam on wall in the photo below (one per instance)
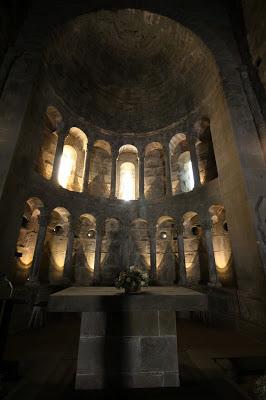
(190, 175)
(67, 164)
(127, 181)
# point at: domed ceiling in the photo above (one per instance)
(127, 70)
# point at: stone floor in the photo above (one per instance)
(47, 359)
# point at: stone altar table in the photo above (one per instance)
(127, 340)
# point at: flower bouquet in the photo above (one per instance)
(132, 280)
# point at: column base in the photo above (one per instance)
(127, 350)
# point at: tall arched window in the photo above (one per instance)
(52, 121)
(181, 167)
(72, 164)
(127, 187)
(66, 174)
(127, 173)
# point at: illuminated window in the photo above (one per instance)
(185, 172)
(127, 181)
(67, 166)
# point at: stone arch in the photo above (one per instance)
(166, 251)
(111, 250)
(181, 167)
(222, 246)
(52, 121)
(140, 248)
(55, 246)
(196, 258)
(84, 250)
(72, 164)
(205, 152)
(127, 176)
(27, 238)
(154, 171)
(100, 169)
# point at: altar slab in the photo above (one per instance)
(81, 299)
(127, 341)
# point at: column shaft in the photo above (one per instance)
(87, 168)
(57, 158)
(141, 175)
(113, 173)
(167, 171)
(35, 267)
(181, 259)
(213, 277)
(68, 273)
(194, 161)
(97, 259)
(153, 271)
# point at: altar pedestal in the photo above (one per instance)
(127, 340)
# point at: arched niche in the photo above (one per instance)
(196, 258)
(166, 251)
(222, 246)
(100, 169)
(154, 171)
(111, 251)
(84, 255)
(140, 249)
(127, 175)
(55, 247)
(52, 121)
(205, 152)
(27, 238)
(72, 164)
(181, 167)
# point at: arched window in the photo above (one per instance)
(52, 121)
(185, 171)
(127, 187)
(72, 165)
(205, 152)
(67, 167)
(181, 167)
(127, 173)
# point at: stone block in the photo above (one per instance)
(167, 323)
(171, 379)
(159, 353)
(132, 324)
(109, 355)
(93, 324)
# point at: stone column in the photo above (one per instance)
(87, 166)
(98, 245)
(35, 267)
(207, 229)
(192, 138)
(68, 273)
(181, 256)
(57, 158)
(167, 170)
(141, 173)
(152, 236)
(113, 172)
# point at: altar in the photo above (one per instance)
(127, 341)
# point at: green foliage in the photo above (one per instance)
(132, 278)
(260, 387)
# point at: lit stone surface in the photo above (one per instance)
(127, 340)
